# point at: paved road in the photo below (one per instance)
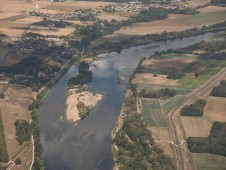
(197, 93)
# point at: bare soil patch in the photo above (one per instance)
(216, 109)
(13, 107)
(196, 126)
(149, 79)
(54, 31)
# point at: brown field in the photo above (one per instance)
(14, 58)
(163, 139)
(55, 31)
(194, 3)
(14, 106)
(20, 6)
(80, 22)
(73, 5)
(149, 79)
(11, 29)
(28, 20)
(196, 126)
(171, 24)
(211, 9)
(166, 64)
(110, 16)
(216, 109)
(3, 51)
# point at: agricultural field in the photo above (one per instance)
(206, 70)
(14, 106)
(209, 162)
(194, 3)
(174, 22)
(215, 109)
(196, 126)
(110, 16)
(54, 31)
(150, 79)
(152, 113)
(171, 103)
(72, 6)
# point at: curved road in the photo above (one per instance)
(197, 93)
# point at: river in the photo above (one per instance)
(86, 144)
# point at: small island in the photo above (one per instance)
(80, 101)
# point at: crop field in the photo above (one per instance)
(211, 8)
(3, 148)
(196, 126)
(156, 87)
(194, 3)
(55, 31)
(152, 113)
(14, 106)
(209, 69)
(171, 103)
(209, 162)
(110, 16)
(167, 63)
(215, 109)
(150, 79)
(14, 58)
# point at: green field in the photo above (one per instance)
(152, 114)
(171, 103)
(153, 87)
(3, 148)
(200, 19)
(210, 68)
(209, 162)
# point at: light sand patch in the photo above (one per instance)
(89, 100)
(54, 31)
(216, 109)
(196, 126)
(148, 78)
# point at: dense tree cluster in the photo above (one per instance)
(220, 90)
(215, 143)
(57, 24)
(160, 94)
(136, 148)
(84, 76)
(196, 109)
(23, 131)
(175, 75)
(83, 110)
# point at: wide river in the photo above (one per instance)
(86, 144)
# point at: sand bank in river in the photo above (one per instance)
(90, 100)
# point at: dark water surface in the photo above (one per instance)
(86, 145)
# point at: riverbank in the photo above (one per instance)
(75, 96)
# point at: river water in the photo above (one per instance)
(86, 144)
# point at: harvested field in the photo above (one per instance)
(211, 9)
(215, 109)
(20, 6)
(194, 3)
(157, 87)
(29, 20)
(171, 103)
(209, 162)
(148, 78)
(166, 64)
(5, 15)
(76, 22)
(152, 114)
(15, 57)
(55, 31)
(14, 106)
(73, 5)
(110, 16)
(162, 139)
(171, 24)
(196, 126)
